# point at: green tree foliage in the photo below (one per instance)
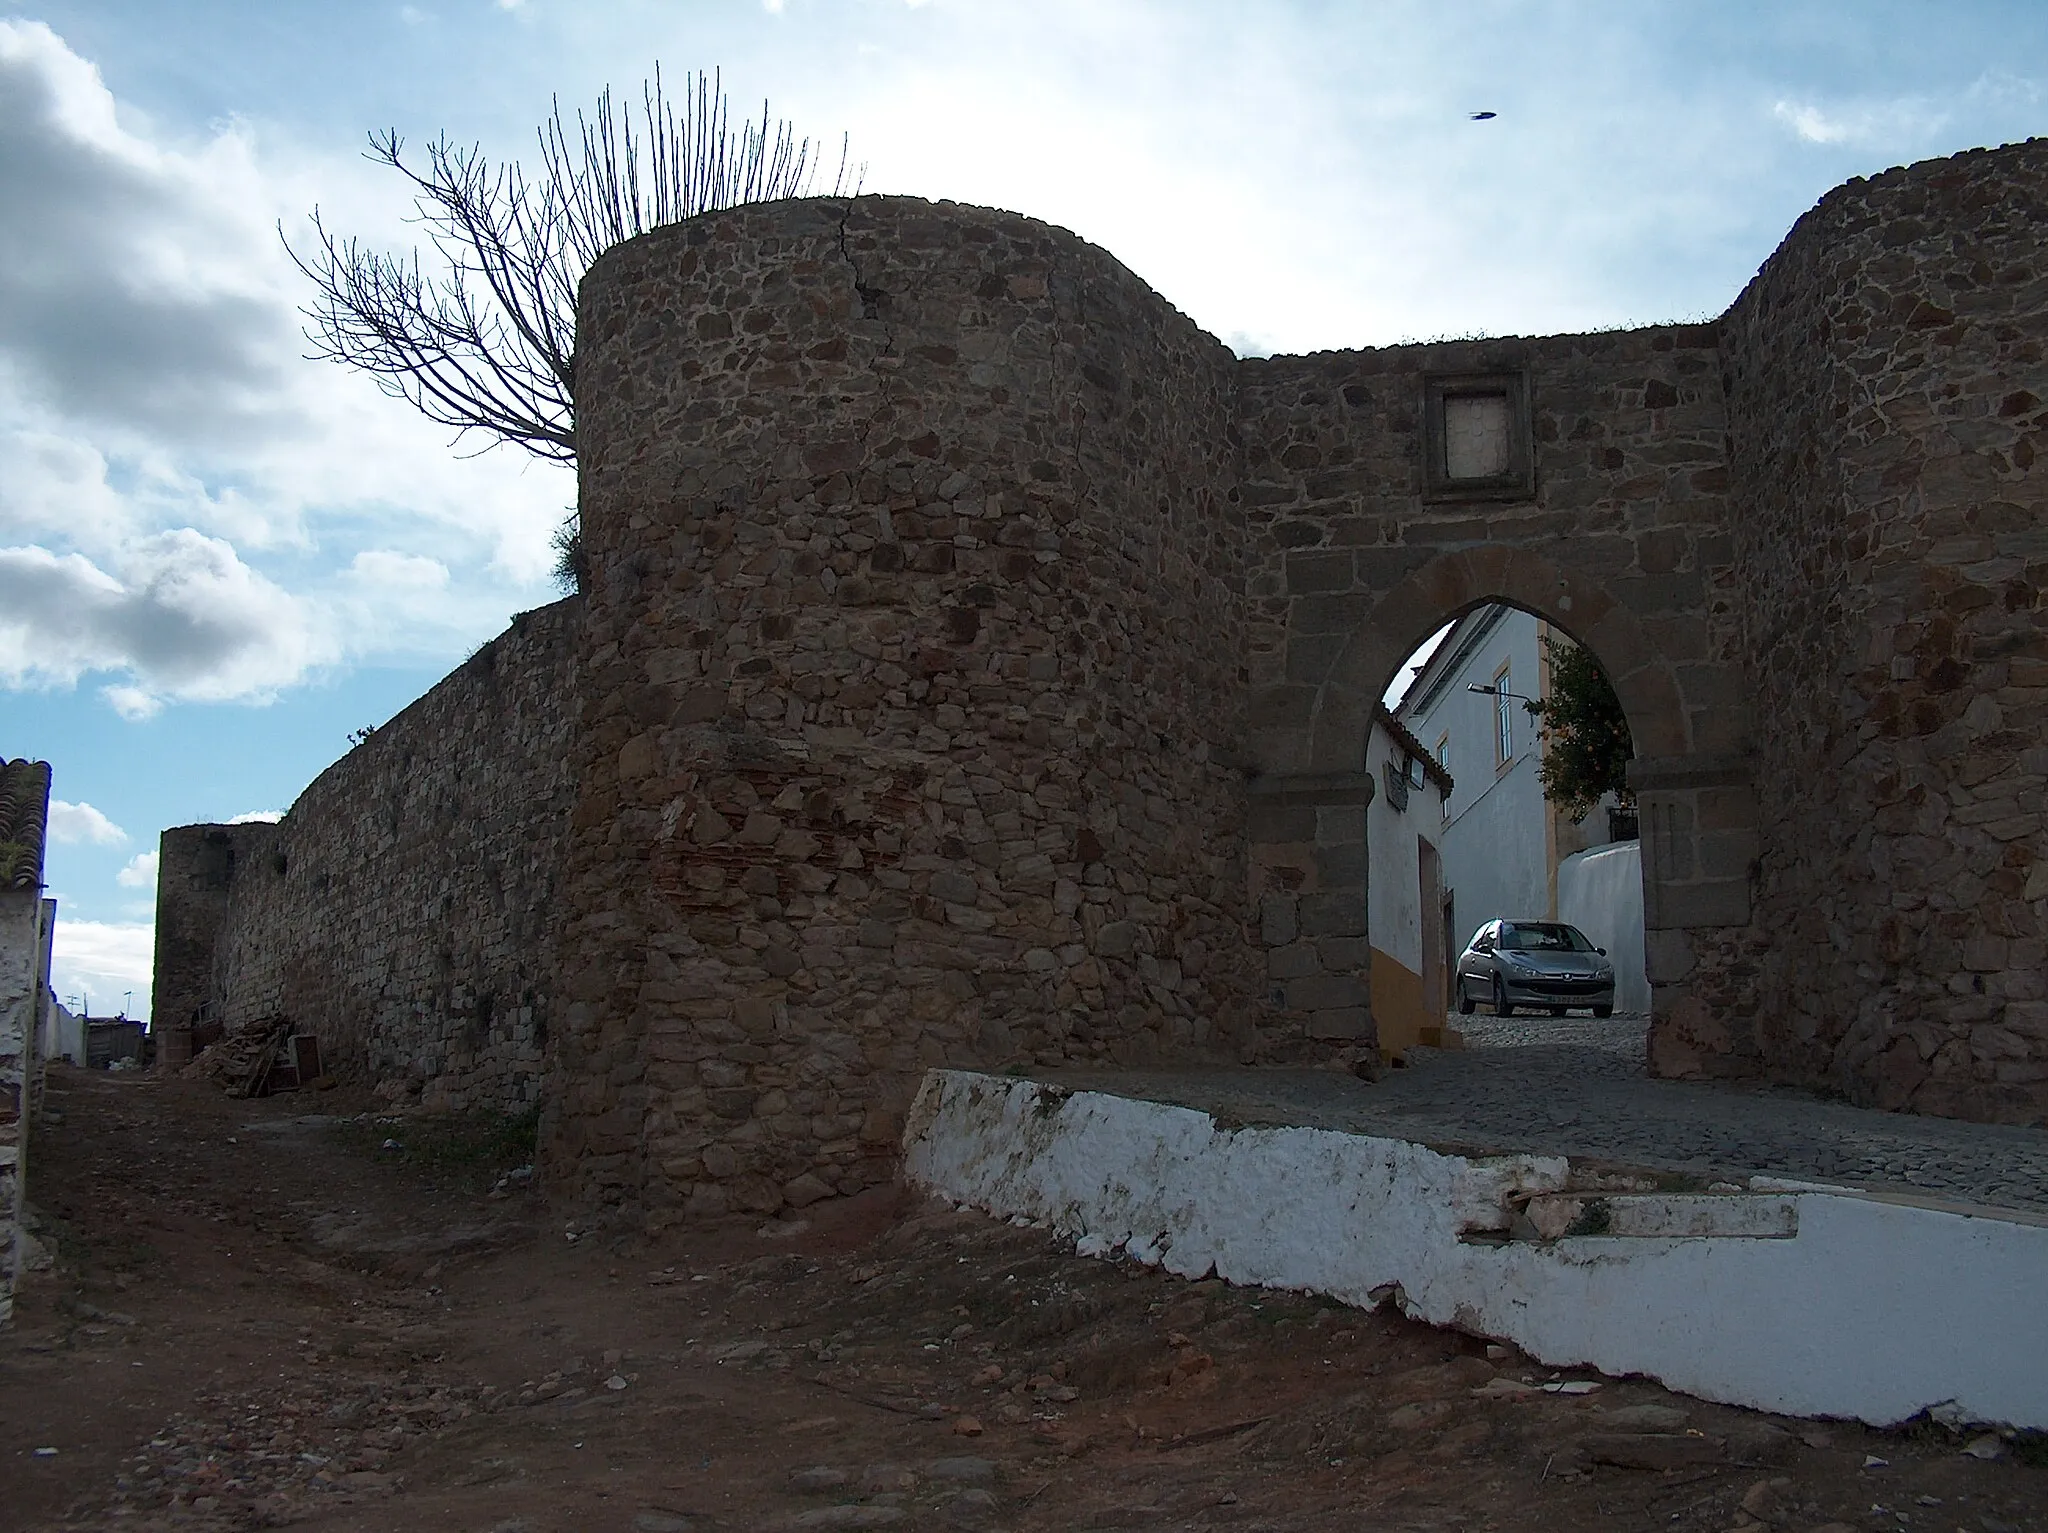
(1586, 745)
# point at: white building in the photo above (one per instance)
(1405, 890)
(24, 982)
(1505, 851)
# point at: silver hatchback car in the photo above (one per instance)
(1544, 965)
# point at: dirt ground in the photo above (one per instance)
(261, 1316)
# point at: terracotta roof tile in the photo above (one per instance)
(24, 812)
(1432, 768)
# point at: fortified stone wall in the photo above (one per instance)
(198, 870)
(978, 663)
(403, 911)
(914, 673)
(1885, 379)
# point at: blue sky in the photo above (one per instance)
(217, 558)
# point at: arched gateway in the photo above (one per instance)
(1698, 811)
(979, 659)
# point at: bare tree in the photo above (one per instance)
(482, 336)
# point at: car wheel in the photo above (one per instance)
(1501, 1008)
(1465, 1001)
(1603, 1011)
(1557, 1011)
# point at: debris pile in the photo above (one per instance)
(244, 1061)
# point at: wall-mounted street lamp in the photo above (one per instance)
(1498, 692)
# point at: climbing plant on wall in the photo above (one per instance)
(1586, 744)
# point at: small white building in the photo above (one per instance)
(1505, 850)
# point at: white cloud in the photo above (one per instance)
(1905, 122)
(385, 569)
(78, 824)
(140, 873)
(101, 960)
(1810, 123)
(127, 290)
(258, 817)
(182, 617)
(182, 492)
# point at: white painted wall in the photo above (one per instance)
(1601, 893)
(1393, 894)
(21, 991)
(1875, 1309)
(63, 1034)
(1495, 856)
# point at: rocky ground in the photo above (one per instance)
(277, 1313)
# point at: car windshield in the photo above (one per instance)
(1544, 937)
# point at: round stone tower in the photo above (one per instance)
(915, 645)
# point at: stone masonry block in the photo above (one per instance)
(1340, 824)
(1279, 823)
(1279, 919)
(1333, 915)
(1295, 961)
(1291, 707)
(1310, 574)
(1342, 866)
(1310, 656)
(1667, 956)
(1726, 853)
(1321, 992)
(1721, 902)
(1340, 1023)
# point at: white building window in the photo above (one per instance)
(1503, 720)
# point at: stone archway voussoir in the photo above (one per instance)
(1616, 639)
(1656, 714)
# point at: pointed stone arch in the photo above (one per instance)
(1454, 583)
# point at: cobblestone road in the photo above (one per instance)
(1582, 1092)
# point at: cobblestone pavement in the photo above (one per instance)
(1625, 1037)
(1583, 1093)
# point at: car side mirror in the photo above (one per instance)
(1601, 951)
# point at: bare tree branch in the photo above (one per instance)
(485, 340)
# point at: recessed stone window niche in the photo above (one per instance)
(1476, 437)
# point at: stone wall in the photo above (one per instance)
(403, 910)
(1885, 375)
(198, 871)
(914, 677)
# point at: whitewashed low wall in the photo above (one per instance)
(1601, 893)
(1819, 1302)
